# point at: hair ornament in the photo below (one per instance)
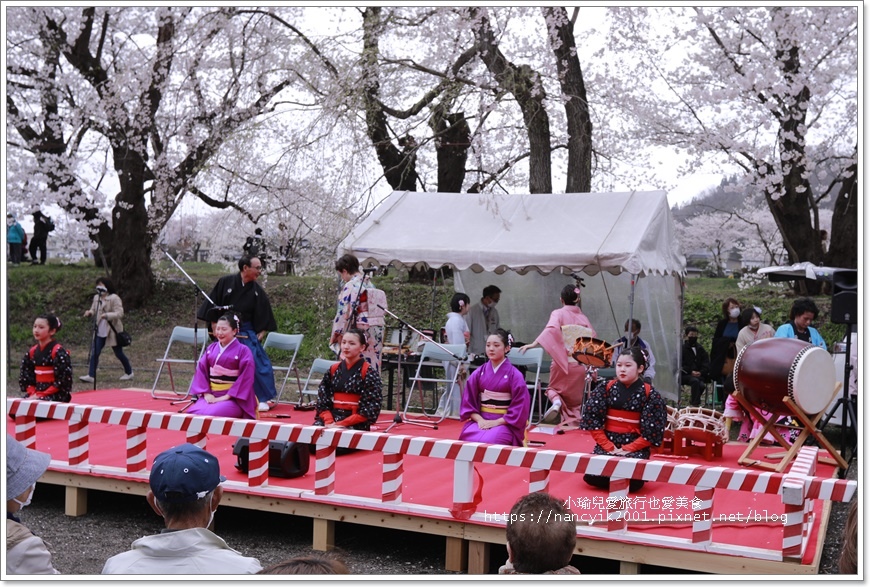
(577, 290)
(461, 304)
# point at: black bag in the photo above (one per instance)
(287, 459)
(123, 338)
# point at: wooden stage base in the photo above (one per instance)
(467, 542)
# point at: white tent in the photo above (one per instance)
(529, 244)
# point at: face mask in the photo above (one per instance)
(210, 519)
(25, 503)
(693, 342)
(734, 312)
(627, 335)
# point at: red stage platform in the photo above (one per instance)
(692, 514)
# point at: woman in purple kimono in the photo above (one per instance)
(224, 382)
(567, 376)
(496, 401)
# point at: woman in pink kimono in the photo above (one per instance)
(224, 381)
(496, 401)
(567, 376)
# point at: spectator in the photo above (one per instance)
(541, 537)
(803, 312)
(754, 330)
(46, 369)
(42, 225)
(318, 564)
(482, 320)
(255, 246)
(185, 492)
(696, 366)
(107, 310)
(723, 351)
(848, 563)
(631, 339)
(26, 554)
(16, 237)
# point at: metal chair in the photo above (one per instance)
(434, 357)
(531, 360)
(289, 343)
(184, 335)
(318, 370)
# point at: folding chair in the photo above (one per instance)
(182, 335)
(531, 360)
(289, 343)
(434, 357)
(318, 370)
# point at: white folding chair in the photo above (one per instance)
(289, 343)
(434, 357)
(181, 334)
(318, 369)
(531, 360)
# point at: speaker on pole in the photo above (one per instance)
(844, 303)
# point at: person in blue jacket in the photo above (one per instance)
(803, 312)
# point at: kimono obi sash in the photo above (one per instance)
(346, 401)
(221, 378)
(495, 402)
(622, 421)
(44, 374)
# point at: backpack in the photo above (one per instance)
(363, 370)
(49, 225)
(646, 386)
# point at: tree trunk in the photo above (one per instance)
(452, 141)
(131, 248)
(399, 166)
(844, 225)
(525, 85)
(576, 108)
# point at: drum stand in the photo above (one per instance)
(791, 451)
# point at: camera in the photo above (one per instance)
(102, 289)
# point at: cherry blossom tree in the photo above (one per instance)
(769, 91)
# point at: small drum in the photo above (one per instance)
(571, 332)
(592, 351)
(769, 370)
(698, 423)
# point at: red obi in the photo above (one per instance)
(622, 421)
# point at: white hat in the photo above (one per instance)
(23, 467)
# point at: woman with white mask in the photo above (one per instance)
(26, 554)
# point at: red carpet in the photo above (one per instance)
(429, 481)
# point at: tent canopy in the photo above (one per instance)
(527, 245)
(613, 232)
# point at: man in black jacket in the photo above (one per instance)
(42, 225)
(696, 366)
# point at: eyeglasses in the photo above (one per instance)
(257, 267)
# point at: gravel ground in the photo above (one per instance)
(81, 545)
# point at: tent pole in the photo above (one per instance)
(630, 336)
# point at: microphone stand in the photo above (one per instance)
(196, 293)
(397, 419)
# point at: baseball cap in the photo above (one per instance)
(184, 473)
(23, 467)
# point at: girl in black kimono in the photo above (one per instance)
(46, 369)
(625, 416)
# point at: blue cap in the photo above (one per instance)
(184, 474)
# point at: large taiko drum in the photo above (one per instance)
(769, 370)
